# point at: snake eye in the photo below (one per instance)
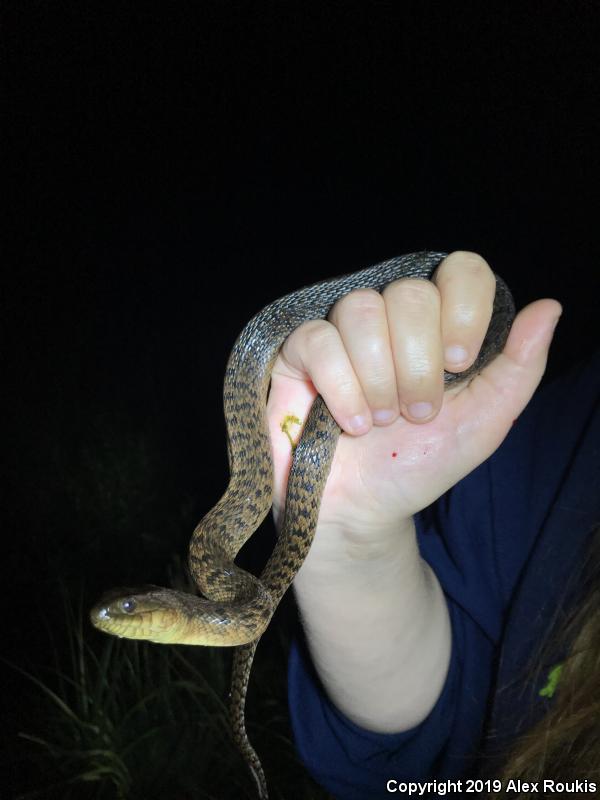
(128, 606)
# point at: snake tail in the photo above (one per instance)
(243, 658)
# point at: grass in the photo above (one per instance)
(95, 718)
(132, 720)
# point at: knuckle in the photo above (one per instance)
(470, 258)
(467, 262)
(360, 303)
(419, 362)
(413, 293)
(377, 379)
(317, 335)
(381, 390)
(346, 389)
(381, 376)
(419, 372)
(464, 317)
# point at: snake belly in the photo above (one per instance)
(236, 607)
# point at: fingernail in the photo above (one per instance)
(358, 424)
(455, 354)
(383, 415)
(420, 410)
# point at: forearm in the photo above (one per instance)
(377, 626)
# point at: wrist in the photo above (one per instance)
(341, 553)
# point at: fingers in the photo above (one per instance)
(381, 355)
(413, 309)
(467, 286)
(317, 350)
(360, 319)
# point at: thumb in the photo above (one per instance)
(496, 397)
(521, 365)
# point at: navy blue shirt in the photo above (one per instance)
(506, 544)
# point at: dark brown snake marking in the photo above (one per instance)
(236, 607)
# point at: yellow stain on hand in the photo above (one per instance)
(288, 420)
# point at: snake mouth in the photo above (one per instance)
(132, 614)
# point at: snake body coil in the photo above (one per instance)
(236, 607)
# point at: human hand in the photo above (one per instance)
(387, 352)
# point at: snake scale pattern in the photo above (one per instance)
(236, 607)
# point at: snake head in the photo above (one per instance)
(147, 612)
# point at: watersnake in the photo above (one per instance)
(236, 607)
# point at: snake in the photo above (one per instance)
(234, 607)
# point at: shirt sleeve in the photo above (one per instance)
(478, 538)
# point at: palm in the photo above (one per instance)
(392, 472)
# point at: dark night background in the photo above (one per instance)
(171, 169)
